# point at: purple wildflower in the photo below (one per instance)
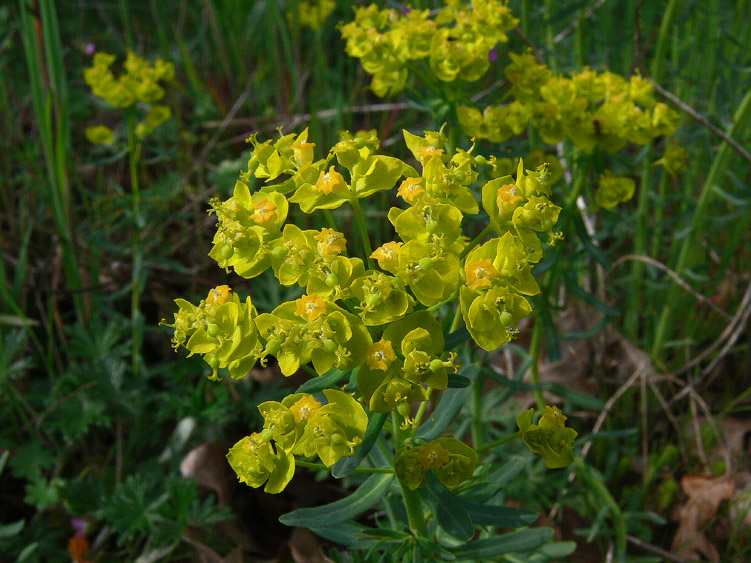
(79, 525)
(90, 48)
(493, 55)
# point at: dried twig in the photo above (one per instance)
(654, 549)
(570, 29)
(729, 337)
(222, 126)
(683, 106)
(298, 118)
(674, 276)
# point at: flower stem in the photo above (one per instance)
(412, 502)
(477, 409)
(320, 466)
(360, 218)
(134, 153)
(421, 411)
(475, 241)
(491, 445)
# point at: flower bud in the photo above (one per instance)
(506, 318)
(330, 346)
(436, 365)
(227, 252)
(213, 329)
(272, 346)
(404, 409)
(337, 439)
(372, 300)
(332, 280)
(212, 360)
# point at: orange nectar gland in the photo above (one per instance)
(330, 242)
(330, 182)
(433, 454)
(426, 153)
(387, 255)
(480, 274)
(263, 212)
(380, 355)
(305, 408)
(410, 190)
(310, 307)
(219, 295)
(508, 197)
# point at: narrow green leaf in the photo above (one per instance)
(456, 338)
(558, 549)
(519, 540)
(326, 381)
(496, 515)
(577, 290)
(385, 533)
(366, 495)
(447, 509)
(588, 243)
(346, 464)
(10, 530)
(436, 549)
(347, 533)
(451, 403)
(576, 397)
(457, 381)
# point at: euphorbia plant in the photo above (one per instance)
(378, 331)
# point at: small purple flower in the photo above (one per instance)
(90, 48)
(493, 55)
(406, 10)
(79, 525)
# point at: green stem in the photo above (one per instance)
(456, 319)
(329, 219)
(619, 524)
(475, 241)
(322, 467)
(741, 120)
(477, 409)
(360, 218)
(437, 306)
(534, 372)
(134, 153)
(421, 412)
(412, 502)
(492, 445)
(634, 303)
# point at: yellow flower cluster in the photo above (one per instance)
(137, 84)
(312, 13)
(589, 108)
(455, 44)
(377, 322)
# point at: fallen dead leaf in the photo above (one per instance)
(704, 497)
(208, 464)
(304, 548)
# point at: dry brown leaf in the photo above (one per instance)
(208, 464)
(704, 497)
(304, 547)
